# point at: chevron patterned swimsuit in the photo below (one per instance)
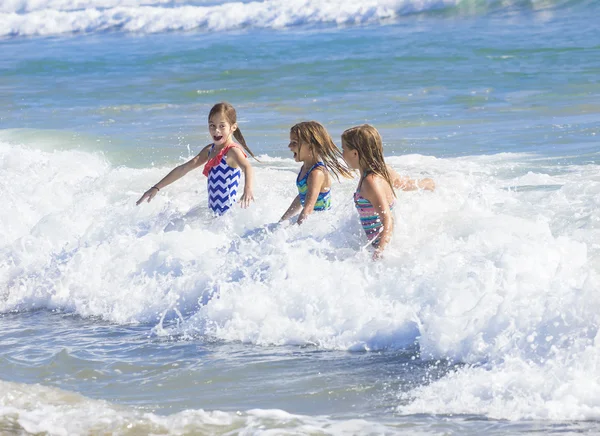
(223, 184)
(324, 198)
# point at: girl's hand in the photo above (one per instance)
(377, 254)
(247, 197)
(149, 194)
(426, 184)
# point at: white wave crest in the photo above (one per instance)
(23, 6)
(55, 17)
(39, 409)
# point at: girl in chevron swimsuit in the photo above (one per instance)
(375, 198)
(224, 161)
(311, 144)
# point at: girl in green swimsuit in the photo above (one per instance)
(311, 144)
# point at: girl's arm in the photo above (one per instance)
(373, 189)
(292, 210)
(408, 184)
(236, 158)
(314, 184)
(176, 174)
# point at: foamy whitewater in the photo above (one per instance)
(23, 17)
(482, 318)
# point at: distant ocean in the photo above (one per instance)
(484, 315)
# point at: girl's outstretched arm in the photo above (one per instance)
(238, 159)
(292, 210)
(314, 183)
(176, 174)
(408, 184)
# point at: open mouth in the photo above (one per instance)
(217, 138)
(295, 155)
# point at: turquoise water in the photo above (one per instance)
(482, 317)
(520, 81)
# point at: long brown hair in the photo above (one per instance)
(229, 113)
(316, 137)
(366, 140)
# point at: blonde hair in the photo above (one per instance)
(319, 141)
(366, 140)
(229, 113)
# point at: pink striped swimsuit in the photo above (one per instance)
(369, 218)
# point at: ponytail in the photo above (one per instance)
(237, 134)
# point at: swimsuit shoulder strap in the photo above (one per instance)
(305, 177)
(216, 159)
(362, 177)
(318, 164)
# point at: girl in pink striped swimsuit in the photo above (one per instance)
(375, 198)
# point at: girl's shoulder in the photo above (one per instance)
(371, 179)
(318, 171)
(236, 150)
(373, 183)
(204, 154)
(207, 148)
(236, 154)
(318, 168)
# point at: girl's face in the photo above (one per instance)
(220, 129)
(350, 156)
(301, 153)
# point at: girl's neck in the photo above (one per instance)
(307, 163)
(225, 144)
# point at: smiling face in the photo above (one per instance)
(350, 156)
(221, 129)
(301, 152)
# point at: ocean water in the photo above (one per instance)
(482, 318)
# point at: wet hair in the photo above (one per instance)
(229, 113)
(366, 140)
(314, 135)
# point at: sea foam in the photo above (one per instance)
(496, 270)
(55, 17)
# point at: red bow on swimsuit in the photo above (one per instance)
(215, 160)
